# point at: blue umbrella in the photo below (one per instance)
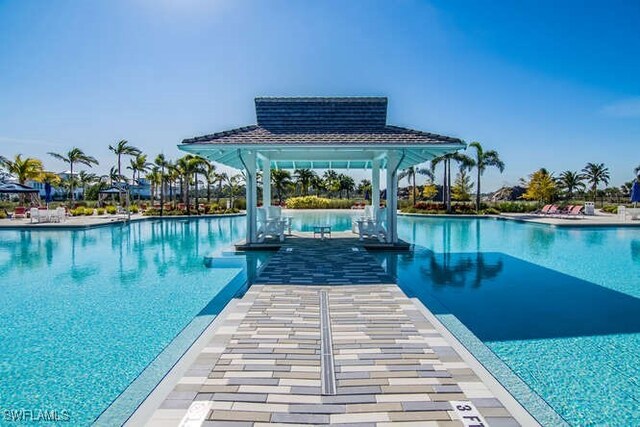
(47, 193)
(635, 192)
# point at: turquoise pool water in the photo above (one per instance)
(84, 312)
(339, 220)
(559, 306)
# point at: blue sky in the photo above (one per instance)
(546, 83)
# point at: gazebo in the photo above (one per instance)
(22, 190)
(321, 133)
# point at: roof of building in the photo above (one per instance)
(322, 121)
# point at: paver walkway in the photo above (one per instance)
(385, 365)
(335, 261)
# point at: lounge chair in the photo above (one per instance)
(543, 211)
(34, 214)
(575, 211)
(19, 212)
(273, 228)
(553, 210)
(366, 215)
(275, 213)
(373, 227)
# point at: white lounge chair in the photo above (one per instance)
(275, 213)
(374, 227)
(60, 215)
(273, 228)
(34, 214)
(367, 215)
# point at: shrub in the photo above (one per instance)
(134, 209)
(88, 211)
(79, 211)
(100, 211)
(151, 212)
(2, 214)
(491, 211)
(612, 209)
(111, 210)
(240, 204)
(515, 207)
(315, 202)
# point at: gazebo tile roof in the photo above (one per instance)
(380, 136)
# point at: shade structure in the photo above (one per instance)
(322, 133)
(635, 192)
(16, 188)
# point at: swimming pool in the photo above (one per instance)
(559, 306)
(84, 312)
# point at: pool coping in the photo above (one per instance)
(519, 412)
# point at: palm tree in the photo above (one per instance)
(281, 180)
(331, 181)
(138, 165)
(85, 179)
(74, 156)
(347, 184)
(570, 182)
(363, 187)
(637, 170)
(410, 174)
(24, 170)
(122, 148)
(483, 160)
(189, 167)
(222, 177)
(155, 178)
(233, 182)
(304, 177)
(463, 161)
(161, 163)
(318, 184)
(211, 176)
(595, 174)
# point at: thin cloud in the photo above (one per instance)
(624, 108)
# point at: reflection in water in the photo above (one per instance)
(635, 250)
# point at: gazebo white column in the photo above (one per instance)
(249, 160)
(266, 182)
(392, 196)
(375, 183)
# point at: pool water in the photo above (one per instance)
(339, 220)
(84, 312)
(559, 306)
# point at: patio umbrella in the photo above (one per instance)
(635, 193)
(47, 193)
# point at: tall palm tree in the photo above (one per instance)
(347, 184)
(596, 174)
(483, 160)
(571, 182)
(138, 165)
(161, 162)
(189, 167)
(123, 148)
(318, 184)
(410, 173)
(331, 181)
(463, 161)
(211, 176)
(222, 177)
(72, 157)
(155, 178)
(281, 180)
(304, 177)
(233, 183)
(363, 187)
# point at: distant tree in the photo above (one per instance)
(463, 161)
(234, 183)
(303, 178)
(541, 187)
(364, 187)
(596, 174)
(410, 173)
(211, 176)
(155, 178)
(23, 170)
(571, 182)
(281, 180)
(462, 186)
(123, 148)
(318, 184)
(85, 179)
(347, 184)
(161, 163)
(482, 161)
(429, 191)
(72, 157)
(331, 181)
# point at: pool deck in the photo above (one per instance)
(600, 219)
(324, 337)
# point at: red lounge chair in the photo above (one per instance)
(553, 210)
(20, 212)
(575, 211)
(544, 210)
